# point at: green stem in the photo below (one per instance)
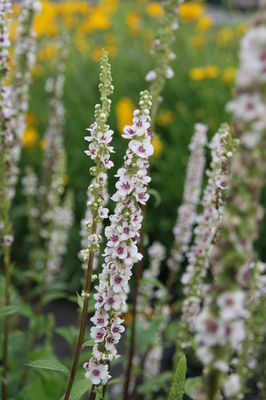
(82, 329)
(6, 324)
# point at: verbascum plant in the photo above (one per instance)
(222, 148)
(121, 251)
(187, 212)
(23, 63)
(220, 327)
(163, 53)
(99, 150)
(6, 170)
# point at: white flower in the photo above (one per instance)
(169, 73)
(143, 149)
(231, 305)
(232, 386)
(97, 373)
(151, 76)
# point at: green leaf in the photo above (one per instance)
(193, 387)
(49, 364)
(88, 343)
(51, 296)
(156, 196)
(8, 310)
(179, 379)
(79, 389)
(69, 333)
(147, 332)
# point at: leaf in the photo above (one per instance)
(178, 383)
(88, 343)
(8, 310)
(156, 196)
(147, 332)
(79, 389)
(49, 364)
(51, 296)
(193, 386)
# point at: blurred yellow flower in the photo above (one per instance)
(210, 71)
(154, 10)
(124, 112)
(198, 41)
(29, 137)
(165, 117)
(12, 30)
(133, 22)
(225, 36)
(229, 75)
(98, 20)
(43, 143)
(241, 29)
(48, 52)
(197, 74)
(45, 23)
(205, 22)
(157, 145)
(97, 51)
(190, 11)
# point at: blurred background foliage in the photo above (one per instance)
(206, 48)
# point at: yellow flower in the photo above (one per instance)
(198, 41)
(124, 112)
(154, 10)
(45, 23)
(229, 75)
(225, 36)
(98, 20)
(48, 52)
(165, 117)
(241, 29)
(190, 11)
(12, 30)
(211, 71)
(204, 23)
(197, 74)
(109, 47)
(157, 145)
(30, 136)
(43, 143)
(133, 21)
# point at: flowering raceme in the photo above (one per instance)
(222, 148)
(187, 211)
(121, 251)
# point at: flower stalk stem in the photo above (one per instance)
(83, 322)
(6, 324)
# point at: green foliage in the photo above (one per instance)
(52, 365)
(80, 388)
(179, 379)
(194, 388)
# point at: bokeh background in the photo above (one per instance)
(207, 55)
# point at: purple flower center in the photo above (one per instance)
(139, 123)
(114, 238)
(141, 149)
(99, 335)
(95, 372)
(116, 329)
(118, 280)
(120, 250)
(126, 230)
(100, 321)
(111, 300)
(125, 185)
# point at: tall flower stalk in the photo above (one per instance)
(99, 150)
(121, 251)
(187, 212)
(220, 327)
(163, 55)
(6, 142)
(24, 60)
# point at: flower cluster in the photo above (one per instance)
(24, 59)
(121, 251)
(6, 135)
(252, 277)
(99, 150)
(162, 51)
(220, 326)
(187, 211)
(146, 290)
(222, 147)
